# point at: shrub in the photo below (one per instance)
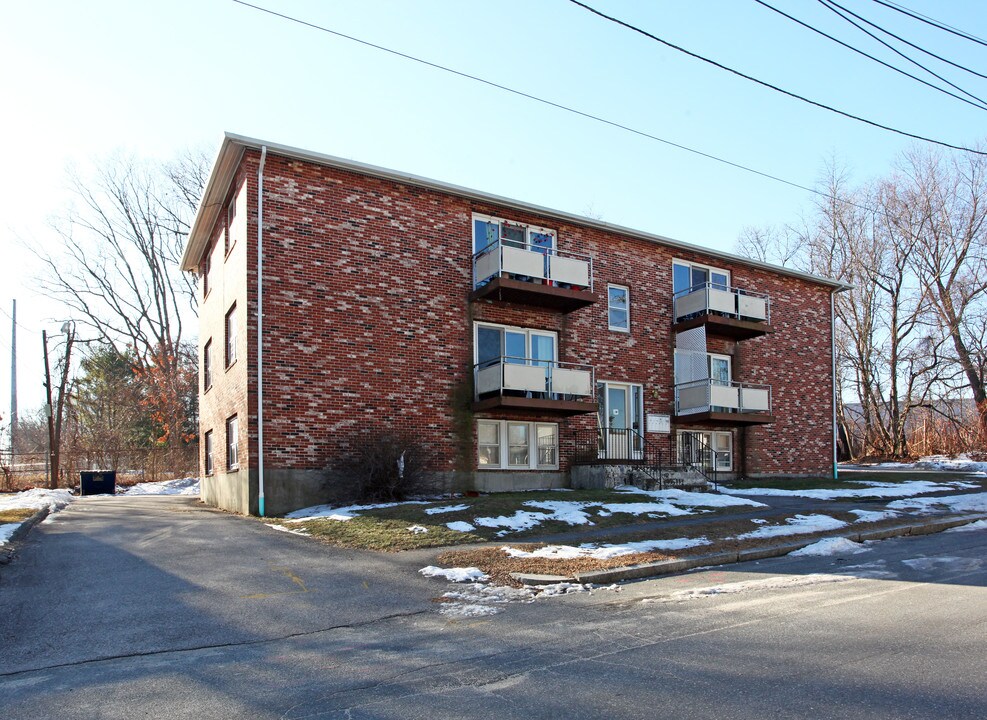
(384, 466)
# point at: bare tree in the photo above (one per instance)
(117, 264)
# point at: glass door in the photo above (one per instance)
(621, 416)
(543, 354)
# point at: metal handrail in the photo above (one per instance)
(710, 382)
(534, 362)
(710, 285)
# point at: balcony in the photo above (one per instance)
(722, 403)
(727, 311)
(531, 274)
(526, 384)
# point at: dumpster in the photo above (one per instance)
(98, 482)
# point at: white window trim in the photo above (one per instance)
(627, 294)
(232, 443)
(528, 332)
(678, 355)
(209, 449)
(503, 437)
(229, 351)
(207, 367)
(528, 229)
(709, 268)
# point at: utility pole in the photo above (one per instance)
(51, 419)
(13, 384)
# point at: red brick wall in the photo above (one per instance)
(367, 322)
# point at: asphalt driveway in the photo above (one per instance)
(125, 576)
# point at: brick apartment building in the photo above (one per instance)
(521, 344)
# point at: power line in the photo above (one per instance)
(550, 103)
(872, 123)
(931, 21)
(979, 104)
(921, 49)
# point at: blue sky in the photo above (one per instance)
(83, 80)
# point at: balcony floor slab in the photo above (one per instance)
(725, 326)
(534, 293)
(724, 418)
(563, 408)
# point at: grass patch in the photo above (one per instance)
(721, 533)
(15, 515)
(387, 528)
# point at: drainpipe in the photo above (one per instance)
(260, 331)
(832, 347)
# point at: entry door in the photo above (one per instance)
(620, 418)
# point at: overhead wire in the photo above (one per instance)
(921, 49)
(897, 7)
(559, 106)
(836, 8)
(763, 83)
(980, 104)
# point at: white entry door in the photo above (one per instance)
(620, 418)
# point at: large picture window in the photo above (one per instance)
(515, 445)
(688, 276)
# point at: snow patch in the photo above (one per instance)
(469, 574)
(460, 526)
(783, 582)
(417, 529)
(338, 513)
(970, 527)
(831, 547)
(282, 528)
(798, 525)
(446, 509)
(975, 502)
(604, 552)
(36, 499)
(184, 486)
(873, 515)
(6, 531)
(869, 490)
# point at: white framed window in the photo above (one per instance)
(522, 346)
(207, 448)
(207, 365)
(691, 444)
(206, 267)
(516, 445)
(719, 368)
(229, 239)
(231, 332)
(688, 275)
(232, 443)
(619, 308)
(489, 231)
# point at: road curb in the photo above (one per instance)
(668, 567)
(7, 550)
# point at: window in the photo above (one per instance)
(487, 231)
(207, 365)
(207, 446)
(689, 366)
(231, 336)
(690, 276)
(206, 266)
(232, 443)
(229, 239)
(521, 346)
(511, 445)
(619, 308)
(695, 446)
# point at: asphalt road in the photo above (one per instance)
(154, 607)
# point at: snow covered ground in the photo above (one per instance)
(184, 486)
(868, 489)
(973, 502)
(36, 499)
(960, 463)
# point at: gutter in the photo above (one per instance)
(260, 332)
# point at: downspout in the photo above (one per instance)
(832, 351)
(260, 332)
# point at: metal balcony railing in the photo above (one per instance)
(710, 395)
(533, 263)
(530, 377)
(729, 301)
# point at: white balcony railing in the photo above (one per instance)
(533, 263)
(527, 377)
(708, 395)
(714, 297)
